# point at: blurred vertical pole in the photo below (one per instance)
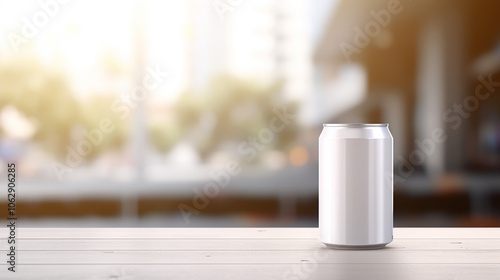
(138, 144)
(138, 125)
(431, 88)
(279, 11)
(440, 84)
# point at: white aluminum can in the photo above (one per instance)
(355, 186)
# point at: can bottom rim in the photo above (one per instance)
(356, 247)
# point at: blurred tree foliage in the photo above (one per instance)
(165, 134)
(43, 96)
(232, 109)
(97, 108)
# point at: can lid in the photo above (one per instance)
(356, 124)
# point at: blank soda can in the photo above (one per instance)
(355, 186)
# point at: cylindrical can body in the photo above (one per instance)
(355, 185)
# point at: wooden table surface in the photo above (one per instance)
(247, 253)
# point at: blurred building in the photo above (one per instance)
(266, 41)
(431, 70)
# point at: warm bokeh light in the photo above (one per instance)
(299, 156)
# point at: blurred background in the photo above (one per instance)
(208, 113)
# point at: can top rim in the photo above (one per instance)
(356, 124)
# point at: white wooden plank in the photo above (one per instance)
(257, 257)
(223, 233)
(447, 233)
(178, 233)
(234, 244)
(231, 272)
